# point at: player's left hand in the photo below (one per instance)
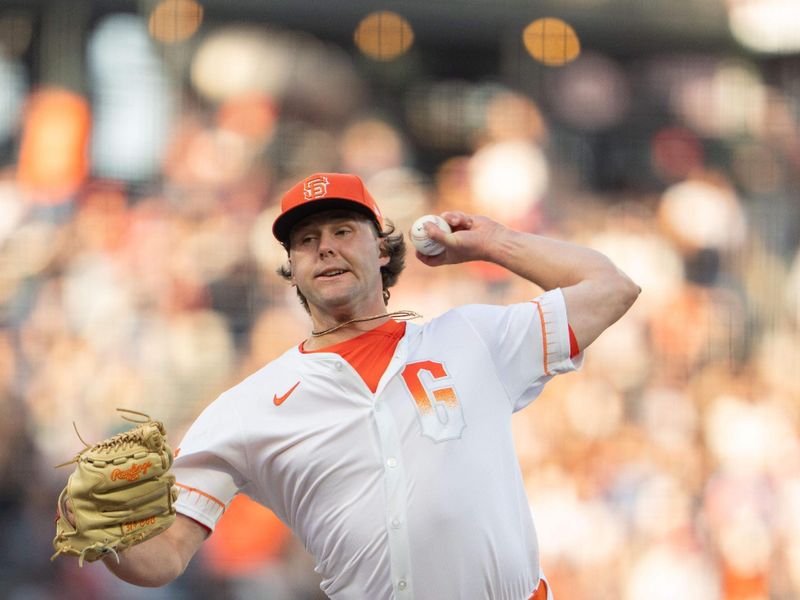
(470, 239)
(120, 494)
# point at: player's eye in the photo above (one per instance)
(307, 239)
(342, 231)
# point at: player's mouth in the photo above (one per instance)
(332, 273)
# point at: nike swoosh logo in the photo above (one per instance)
(278, 400)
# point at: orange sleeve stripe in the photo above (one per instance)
(544, 337)
(541, 591)
(202, 493)
(574, 349)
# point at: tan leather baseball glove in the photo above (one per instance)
(121, 493)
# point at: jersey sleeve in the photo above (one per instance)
(528, 342)
(210, 464)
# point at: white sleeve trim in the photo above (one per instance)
(552, 311)
(198, 505)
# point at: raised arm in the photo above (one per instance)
(160, 559)
(595, 291)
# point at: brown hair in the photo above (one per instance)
(392, 245)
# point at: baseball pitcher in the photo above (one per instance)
(384, 444)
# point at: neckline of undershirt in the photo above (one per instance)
(388, 330)
(369, 353)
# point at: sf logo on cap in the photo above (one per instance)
(315, 187)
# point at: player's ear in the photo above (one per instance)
(286, 271)
(383, 252)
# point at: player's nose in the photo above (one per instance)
(327, 245)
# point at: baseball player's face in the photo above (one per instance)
(335, 259)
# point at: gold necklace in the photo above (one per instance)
(401, 315)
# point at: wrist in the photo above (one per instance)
(500, 246)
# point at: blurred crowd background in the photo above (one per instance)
(144, 146)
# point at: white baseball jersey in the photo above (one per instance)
(413, 491)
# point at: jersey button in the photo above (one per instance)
(338, 365)
(391, 462)
(402, 585)
(395, 523)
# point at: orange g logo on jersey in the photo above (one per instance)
(440, 413)
(315, 187)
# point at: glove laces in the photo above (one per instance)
(118, 441)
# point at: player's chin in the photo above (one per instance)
(334, 296)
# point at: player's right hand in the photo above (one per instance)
(472, 238)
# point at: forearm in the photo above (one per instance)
(547, 262)
(149, 564)
(161, 559)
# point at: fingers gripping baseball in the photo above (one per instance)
(468, 239)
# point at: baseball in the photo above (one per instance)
(420, 238)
